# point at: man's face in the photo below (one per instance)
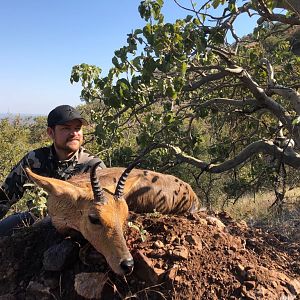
(67, 137)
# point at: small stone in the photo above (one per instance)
(51, 282)
(241, 271)
(90, 285)
(215, 222)
(249, 285)
(170, 238)
(274, 284)
(176, 241)
(159, 244)
(193, 216)
(202, 222)
(159, 271)
(181, 252)
(37, 289)
(233, 248)
(178, 279)
(250, 274)
(194, 240)
(171, 274)
(144, 268)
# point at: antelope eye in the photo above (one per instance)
(94, 220)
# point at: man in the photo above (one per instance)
(63, 159)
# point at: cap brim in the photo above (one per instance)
(82, 120)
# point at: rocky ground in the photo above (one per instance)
(196, 256)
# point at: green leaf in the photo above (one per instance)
(115, 62)
(170, 92)
(232, 7)
(168, 118)
(296, 121)
(215, 3)
(178, 83)
(183, 69)
(138, 31)
(188, 18)
(149, 65)
(136, 62)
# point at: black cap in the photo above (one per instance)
(63, 114)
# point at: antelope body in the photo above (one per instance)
(154, 191)
(98, 207)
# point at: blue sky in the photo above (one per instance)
(41, 40)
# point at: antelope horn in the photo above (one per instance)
(121, 183)
(97, 190)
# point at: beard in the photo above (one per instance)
(70, 145)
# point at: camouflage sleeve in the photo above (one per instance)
(12, 187)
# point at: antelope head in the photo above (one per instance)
(99, 213)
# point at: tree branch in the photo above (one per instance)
(289, 94)
(287, 156)
(216, 102)
(205, 79)
(264, 11)
(267, 102)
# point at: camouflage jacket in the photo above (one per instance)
(44, 161)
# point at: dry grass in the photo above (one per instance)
(250, 207)
(258, 211)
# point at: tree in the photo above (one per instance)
(18, 136)
(200, 93)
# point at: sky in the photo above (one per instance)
(41, 40)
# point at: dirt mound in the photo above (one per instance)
(195, 256)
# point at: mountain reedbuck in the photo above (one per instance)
(97, 207)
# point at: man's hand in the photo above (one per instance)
(3, 210)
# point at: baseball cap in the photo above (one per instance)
(63, 114)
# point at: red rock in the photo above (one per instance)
(90, 285)
(158, 244)
(144, 268)
(181, 252)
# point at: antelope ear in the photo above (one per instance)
(129, 184)
(55, 186)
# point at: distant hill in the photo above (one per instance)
(23, 117)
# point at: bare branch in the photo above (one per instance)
(283, 19)
(274, 107)
(290, 158)
(270, 71)
(215, 102)
(289, 94)
(205, 79)
(268, 14)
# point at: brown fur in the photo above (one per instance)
(71, 203)
(154, 191)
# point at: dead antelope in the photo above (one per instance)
(154, 191)
(97, 207)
